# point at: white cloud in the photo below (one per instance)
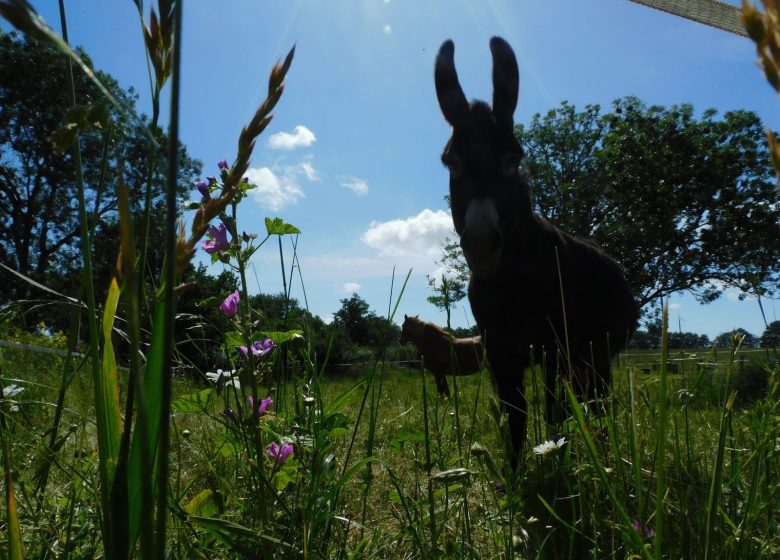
(279, 186)
(415, 236)
(356, 185)
(673, 306)
(350, 288)
(301, 137)
(309, 171)
(274, 191)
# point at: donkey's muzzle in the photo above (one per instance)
(481, 237)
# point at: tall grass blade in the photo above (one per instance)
(106, 415)
(660, 457)
(715, 483)
(66, 378)
(593, 454)
(15, 549)
(107, 391)
(135, 393)
(168, 296)
(153, 391)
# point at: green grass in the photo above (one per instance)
(410, 499)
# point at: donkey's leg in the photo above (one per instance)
(508, 368)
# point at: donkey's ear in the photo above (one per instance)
(506, 81)
(451, 99)
(405, 317)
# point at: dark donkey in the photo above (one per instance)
(442, 353)
(537, 293)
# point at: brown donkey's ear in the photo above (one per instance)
(506, 81)
(451, 99)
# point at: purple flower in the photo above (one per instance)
(222, 164)
(203, 188)
(279, 453)
(230, 415)
(259, 348)
(263, 406)
(230, 306)
(646, 531)
(218, 239)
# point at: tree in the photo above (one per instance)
(687, 340)
(682, 203)
(725, 340)
(39, 229)
(771, 336)
(362, 325)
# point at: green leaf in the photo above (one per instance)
(286, 475)
(192, 403)
(107, 392)
(277, 226)
(278, 337)
(203, 505)
(417, 436)
(81, 118)
(212, 301)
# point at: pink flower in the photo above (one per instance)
(259, 349)
(203, 188)
(217, 239)
(263, 406)
(279, 453)
(230, 306)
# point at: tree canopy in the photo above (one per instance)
(683, 202)
(771, 336)
(39, 230)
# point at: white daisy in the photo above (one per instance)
(229, 377)
(549, 446)
(12, 391)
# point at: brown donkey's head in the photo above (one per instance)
(488, 192)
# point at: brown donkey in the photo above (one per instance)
(443, 354)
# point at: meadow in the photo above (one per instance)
(109, 452)
(383, 467)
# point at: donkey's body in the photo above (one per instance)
(537, 293)
(442, 354)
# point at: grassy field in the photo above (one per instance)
(384, 468)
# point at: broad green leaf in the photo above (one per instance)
(203, 505)
(277, 336)
(286, 475)
(277, 226)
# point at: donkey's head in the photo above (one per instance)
(488, 192)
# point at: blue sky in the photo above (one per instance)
(352, 156)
